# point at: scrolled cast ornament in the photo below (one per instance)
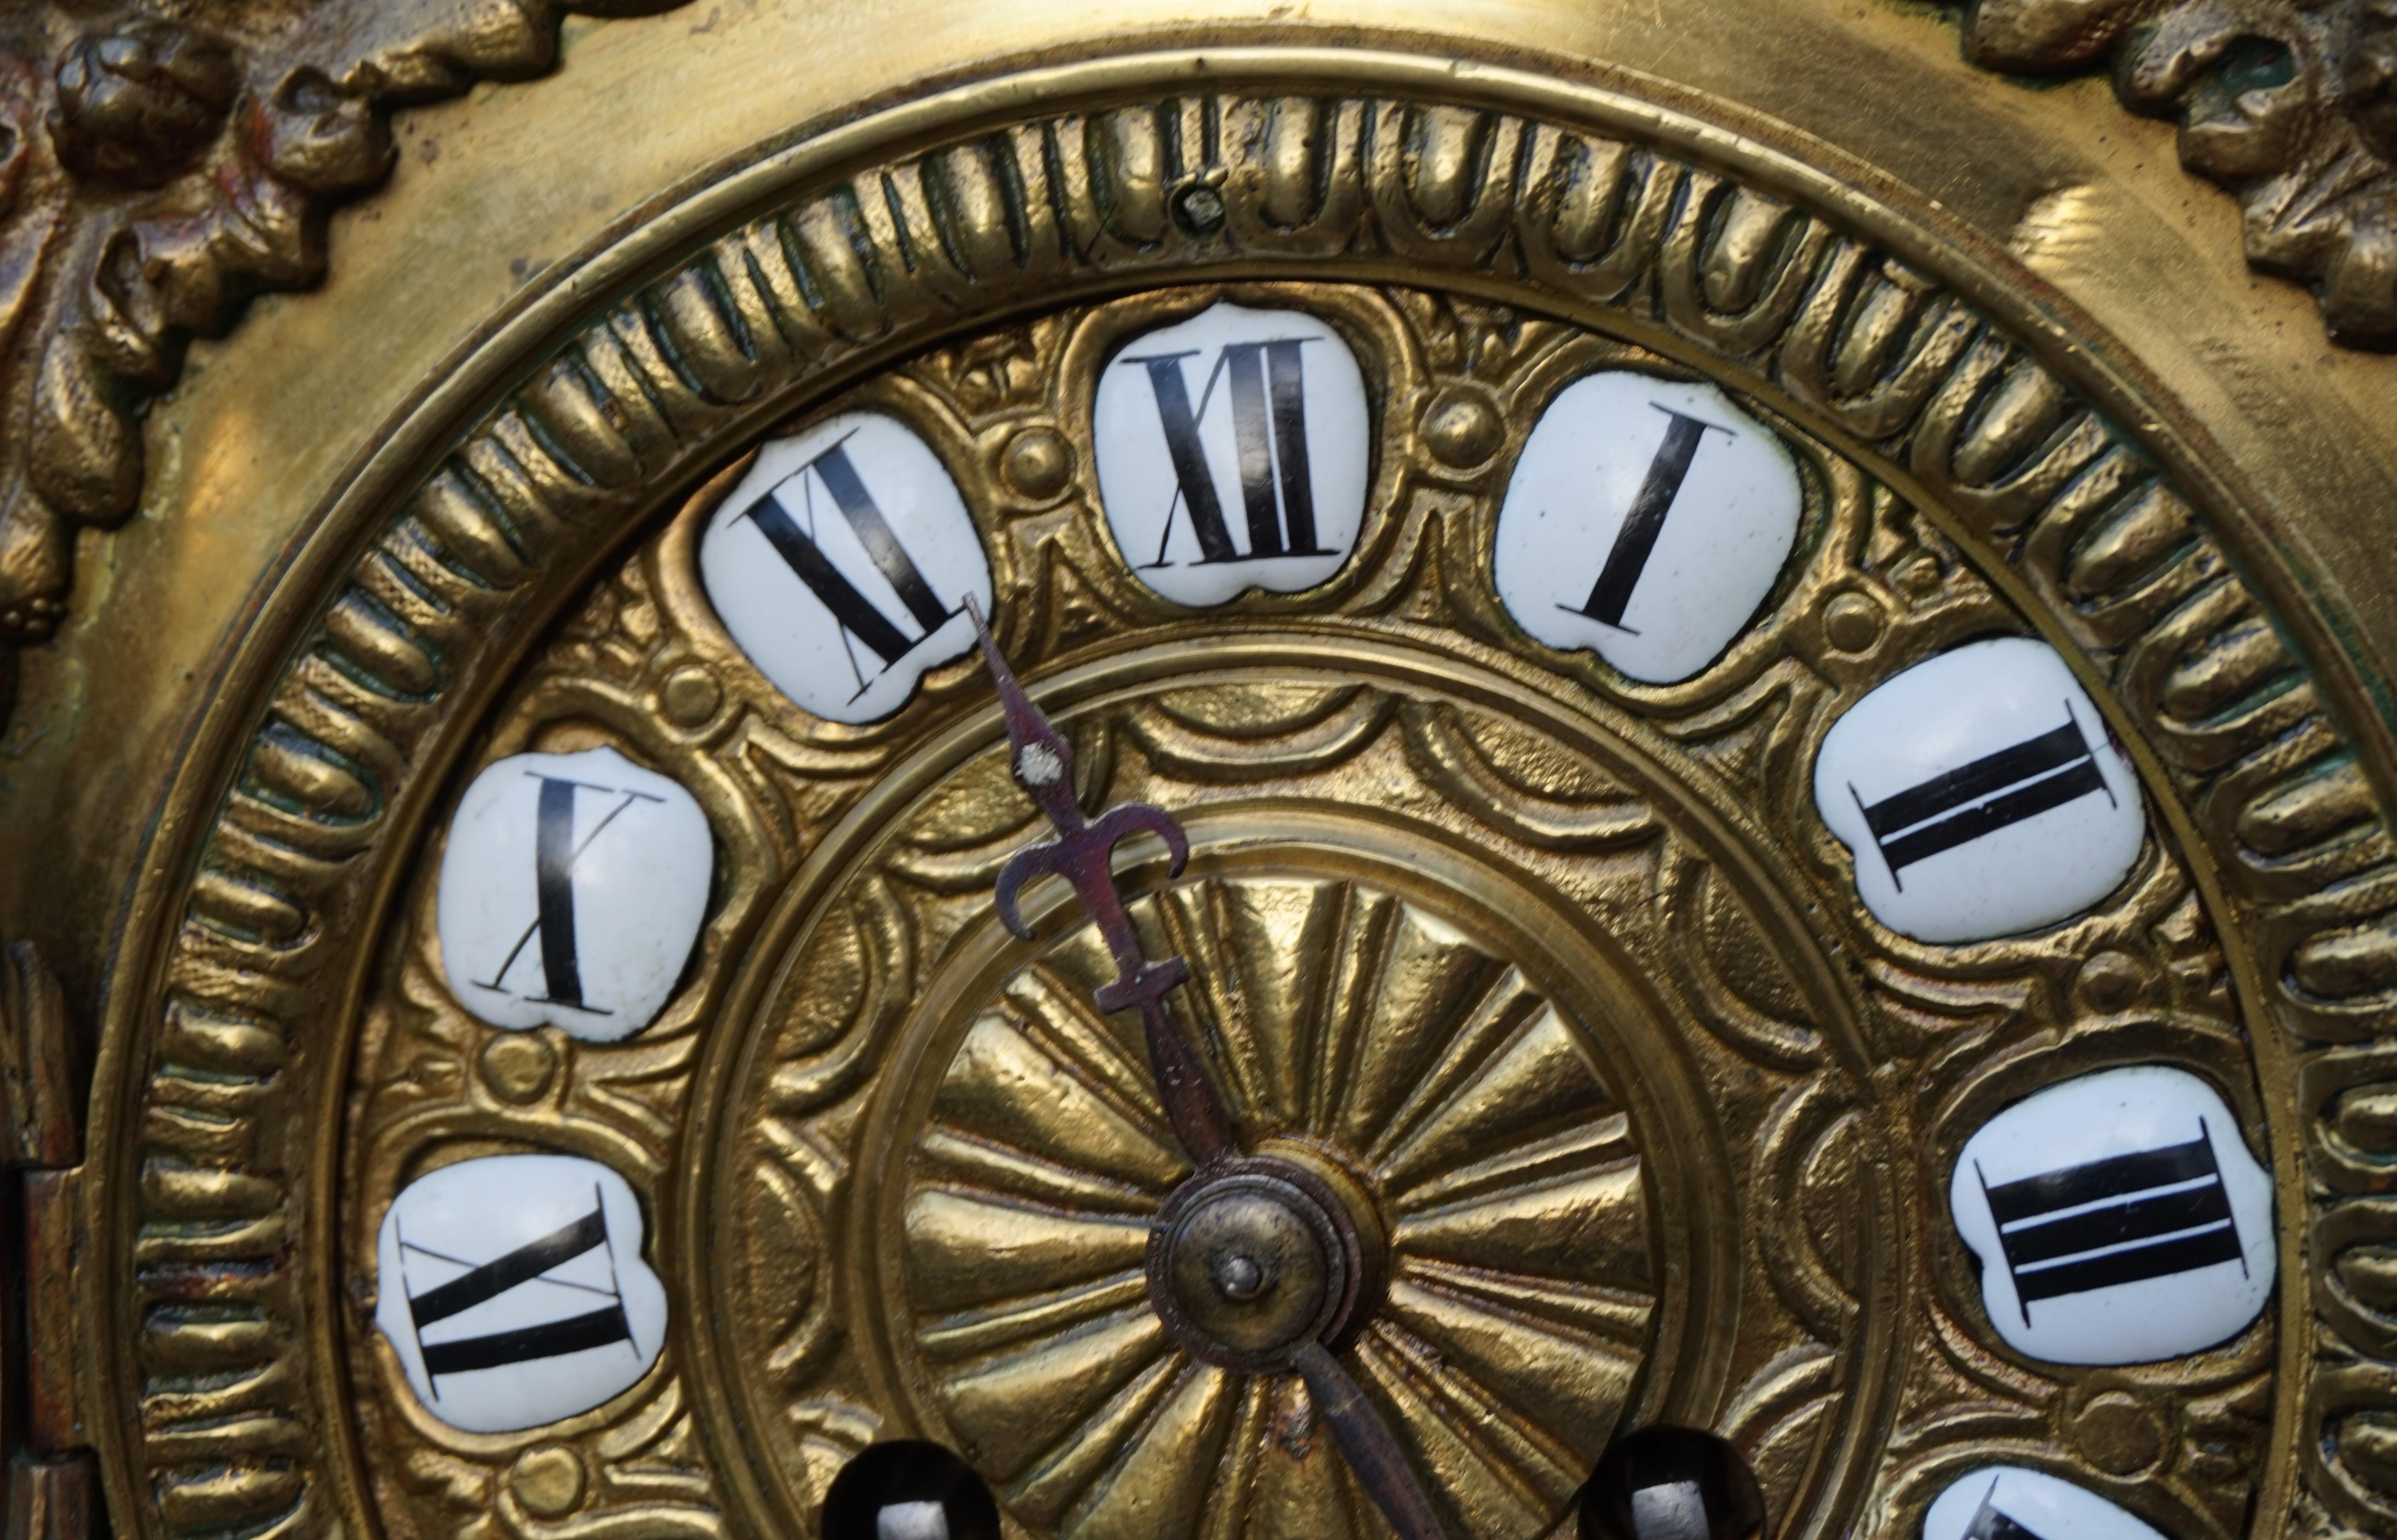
(2291, 107)
(157, 172)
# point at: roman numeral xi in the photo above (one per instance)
(884, 634)
(1268, 382)
(1991, 1523)
(2121, 1219)
(522, 1268)
(1977, 799)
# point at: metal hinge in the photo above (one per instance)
(51, 1476)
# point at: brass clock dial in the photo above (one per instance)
(1552, 990)
(1264, 795)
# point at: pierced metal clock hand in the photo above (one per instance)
(1235, 1209)
(1083, 854)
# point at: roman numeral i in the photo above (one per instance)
(1635, 542)
(1267, 385)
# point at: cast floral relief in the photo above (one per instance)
(157, 172)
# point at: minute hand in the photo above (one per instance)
(1083, 854)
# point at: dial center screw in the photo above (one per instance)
(1241, 1276)
(1248, 1262)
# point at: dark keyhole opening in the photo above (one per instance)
(1672, 1483)
(908, 1489)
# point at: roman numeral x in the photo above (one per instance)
(554, 852)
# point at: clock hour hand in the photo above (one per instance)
(1374, 1454)
(1083, 854)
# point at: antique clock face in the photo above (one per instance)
(1645, 929)
(1170, 806)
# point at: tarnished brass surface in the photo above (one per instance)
(2033, 388)
(158, 167)
(2291, 106)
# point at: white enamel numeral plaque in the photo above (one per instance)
(1232, 452)
(2117, 1218)
(1646, 521)
(514, 1291)
(573, 887)
(1981, 795)
(2008, 1502)
(841, 565)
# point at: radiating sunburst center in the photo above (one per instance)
(1414, 1085)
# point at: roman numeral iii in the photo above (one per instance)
(2121, 1219)
(2116, 1217)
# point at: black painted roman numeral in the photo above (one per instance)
(886, 635)
(1636, 541)
(1268, 382)
(1992, 793)
(2122, 1220)
(527, 1263)
(1991, 1522)
(554, 852)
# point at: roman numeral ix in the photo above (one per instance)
(1268, 396)
(885, 635)
(1976, 800)
(554, 852)
(2122, 1220)
(1636, 541)
(526, 1265)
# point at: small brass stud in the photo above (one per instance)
(1037, 462)
(1460, 431)
(549, 1480)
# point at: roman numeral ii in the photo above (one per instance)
(1977, 799)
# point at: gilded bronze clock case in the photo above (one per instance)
(1995, 312)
